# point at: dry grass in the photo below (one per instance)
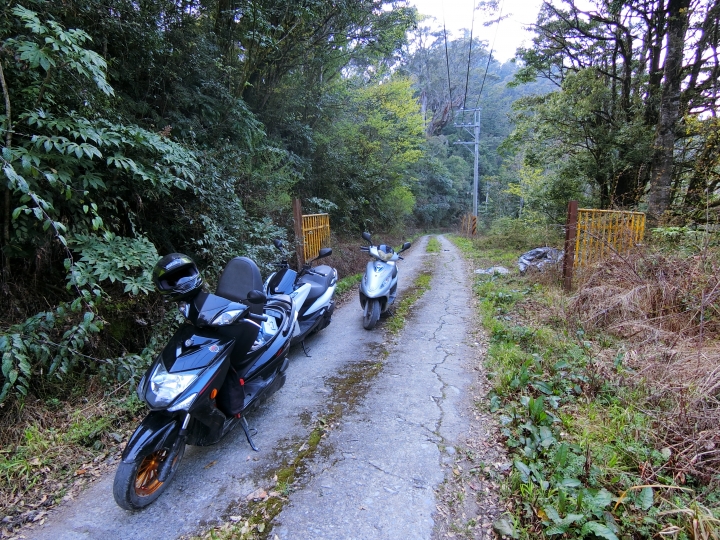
(651, 296)
(666, 310)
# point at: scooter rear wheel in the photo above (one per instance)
(136, 484)
(372, 314)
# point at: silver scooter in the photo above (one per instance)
(378, 287)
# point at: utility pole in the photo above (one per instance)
(476, 142)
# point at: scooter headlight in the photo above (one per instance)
(168, 386)
(226, 317)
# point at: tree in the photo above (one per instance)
(365, 153)
(649, 90)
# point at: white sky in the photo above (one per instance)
(458, 14)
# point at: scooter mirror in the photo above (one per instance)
(278, 243)
(366, 236)
(406, 245)
(256, 297)
(324, 252)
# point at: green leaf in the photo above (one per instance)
(599, 499)
(552, 513)
(570, 482)
(505, 528)
(523, 469)
(645, 498)
(599, 529)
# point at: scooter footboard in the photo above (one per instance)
(156, 431)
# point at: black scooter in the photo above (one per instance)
(312, 291)
(230, 356)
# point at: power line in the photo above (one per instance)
(489, 57)
(447, 64)
(467, 74)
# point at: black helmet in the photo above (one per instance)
(176, 277)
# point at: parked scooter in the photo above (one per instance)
(312, 291)
(229, 357)
(378, 287)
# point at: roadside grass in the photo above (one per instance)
(588, 456)
(347, 283)
(433, 245)
(421, 284)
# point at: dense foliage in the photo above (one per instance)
(131, 129)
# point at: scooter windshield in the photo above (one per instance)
(385, 253)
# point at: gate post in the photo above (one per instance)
(299, 237)
(570, 235)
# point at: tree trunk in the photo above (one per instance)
(659, 194)
(6, 198)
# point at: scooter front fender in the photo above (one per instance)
(152, 434)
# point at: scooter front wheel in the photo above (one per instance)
(372, 313)
(137, 485)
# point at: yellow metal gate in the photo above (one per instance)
(316, 232)
(603, 232)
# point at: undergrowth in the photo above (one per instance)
(589, 459)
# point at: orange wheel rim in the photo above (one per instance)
(146, 481)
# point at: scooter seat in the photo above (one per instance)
(323, 276)
(319, 283)
(240, 276)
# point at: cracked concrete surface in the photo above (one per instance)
(407, 426)
(376, 473)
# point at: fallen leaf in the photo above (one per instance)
(261, 527)
(258, 495)
(80, 471)
(213, 462)
(235, 518)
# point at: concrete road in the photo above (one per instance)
(392, 409)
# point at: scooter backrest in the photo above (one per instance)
(241, 275)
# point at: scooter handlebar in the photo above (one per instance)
(257, 317)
